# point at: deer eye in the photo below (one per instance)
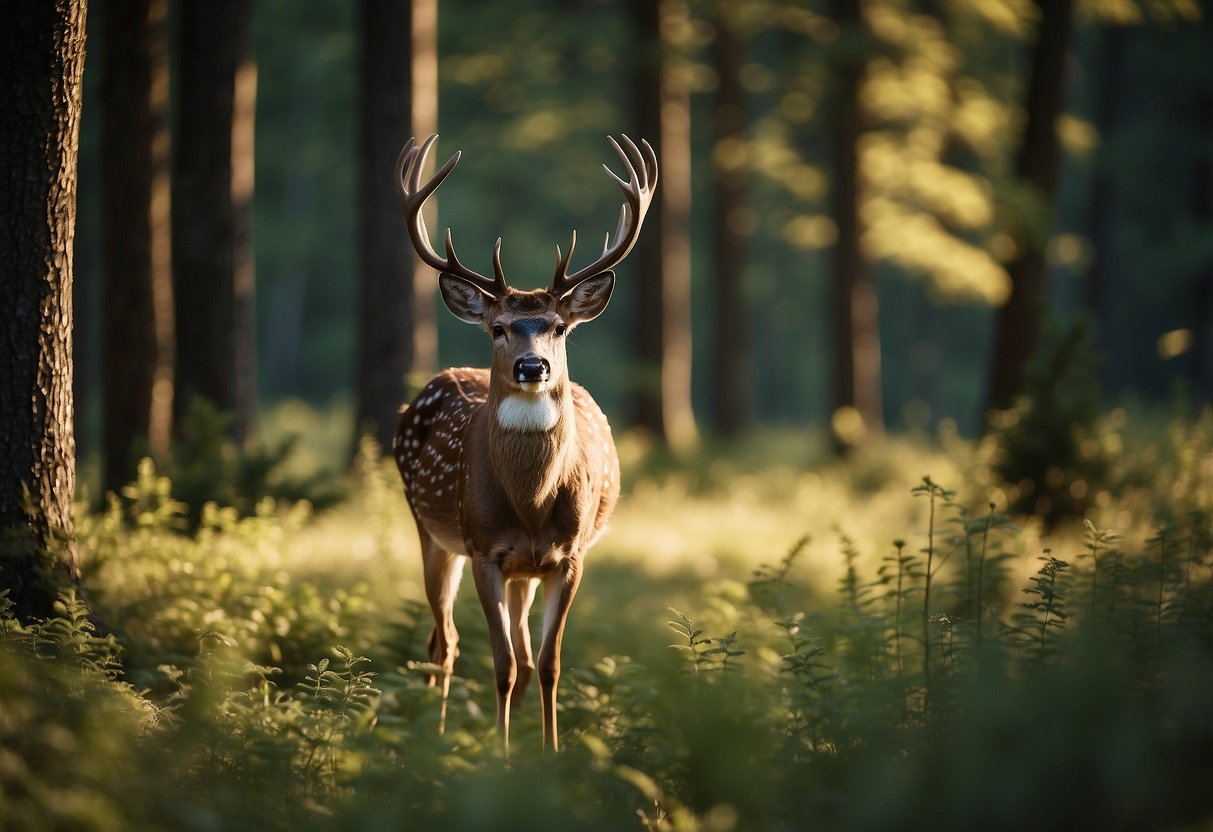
(561, 329)
(498, 331)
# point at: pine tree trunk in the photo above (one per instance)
(385, 307)
(731, 221)
(857, 407)
(661, 365)
(212, 206)
(41, 62)
(136, 270)
(1019, 321)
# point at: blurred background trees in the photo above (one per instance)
(868, 208)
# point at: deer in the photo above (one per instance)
(512, 468)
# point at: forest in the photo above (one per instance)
(909, 372)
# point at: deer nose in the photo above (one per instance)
(532, 368)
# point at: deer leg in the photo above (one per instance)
(490, 584)
(443, 572)
(558, 591)
(520, 595)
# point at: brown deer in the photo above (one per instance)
(513, 467)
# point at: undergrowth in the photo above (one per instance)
(939, 684)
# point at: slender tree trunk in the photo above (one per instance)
(857, 403)
(1019, 321)
(1202, 216)
(425, 123)
(41, 62)
(731, 228)
(385, 307)
(212, 207)
(1101, 276)
(398, 82)
(136, 270)
(662, 315)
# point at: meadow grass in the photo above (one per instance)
(766, 638)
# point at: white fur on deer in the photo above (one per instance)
(513, 467)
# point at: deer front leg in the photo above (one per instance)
(490, 585)
(443, 571)
(558, 591)
(520, 595)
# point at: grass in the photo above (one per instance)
(856, 646)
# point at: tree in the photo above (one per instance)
(662, 315)
(212, 198)
(385, 304)
(41, 62)
(1100, 277)
(856, 392)
(397, 99)
(1036, 165)
(136, 270)
(731, 227)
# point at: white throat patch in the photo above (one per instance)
(527, 412)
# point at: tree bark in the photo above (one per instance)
(857, 408)
(1019, 321)
(731, 223)
(41, 62)
(386, 302)
(137, 336)
(212, 198)
(662, 313)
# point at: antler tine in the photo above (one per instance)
(413, 194)
(641, 166)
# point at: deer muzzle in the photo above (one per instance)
(531, 372)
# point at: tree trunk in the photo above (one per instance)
(385, 306)
(857, 409)
(41, 62)
(662, 314)
(212, 199)
(731, 228)
(425, 122)
(1202, 217)
(1101, 276)
(136, 270)
(1018, 327)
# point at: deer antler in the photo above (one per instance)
(413, 196)
(638, 190)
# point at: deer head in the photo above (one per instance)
(528, 328)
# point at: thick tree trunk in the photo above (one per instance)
(731, 222)
(385, 306)
(1019, 321)
(41, 61)
(662, 313)
(857, 408)
(136, 270)
(212, 207)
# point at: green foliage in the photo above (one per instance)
(206, 466)
(1048, 448)
(255, 679)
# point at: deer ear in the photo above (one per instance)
(466, 302)
(587, 299)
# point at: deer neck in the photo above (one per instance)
(530, 437)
